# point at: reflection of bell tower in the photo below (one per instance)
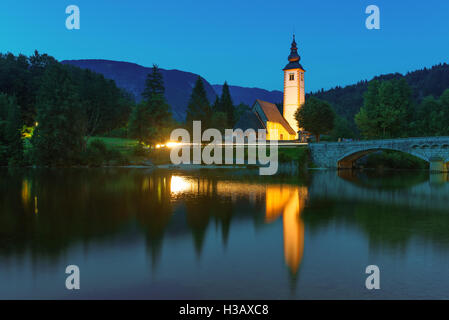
(294, 230)
(294, 96)
(288, 201)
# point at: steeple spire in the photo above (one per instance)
(294, 56)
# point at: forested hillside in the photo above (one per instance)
(348, 100)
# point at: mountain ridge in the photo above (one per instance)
(346, 100)
(131, 77)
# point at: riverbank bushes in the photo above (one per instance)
(98, 154)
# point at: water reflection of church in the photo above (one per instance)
(281, 200)
(288, 201)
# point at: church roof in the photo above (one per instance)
(272, 114)
(293, 65)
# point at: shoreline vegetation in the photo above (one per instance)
(56, 115)
(288, 158)
(122, 152)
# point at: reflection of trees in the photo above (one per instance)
(74, 205)
(153, 209)
(390, 223)
(387, 180)
(44, 212)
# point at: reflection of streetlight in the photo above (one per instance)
(179, 184)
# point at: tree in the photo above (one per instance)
(58, 139)
(219, 121)
(198, 107)
(226, 106)
(154, 84)
(432, 116)
(315, 116)
(15, 81)
(13, 134)
(139, 122)
(161, 120)
(105, 107)
(386, 112)
(240, 110)
(427, 117)
(342, 129)
(151, 120)
(11, 143)
(216, 105)
(442, 119)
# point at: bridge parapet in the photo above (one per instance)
(434, 150)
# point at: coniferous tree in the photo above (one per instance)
(240, 110)
(225, 105)
(219, 118)
(138, 127)
(198, 107)
(58, 139)
(151, 120)
(154, 84)
(216, 105)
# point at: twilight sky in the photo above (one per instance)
(245, 42)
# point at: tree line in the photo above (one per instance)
(49, 111)
(388, 110)
(56, 106)
(346, 101)
(151, 120)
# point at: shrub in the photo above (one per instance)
(95, 154)
(139, 150)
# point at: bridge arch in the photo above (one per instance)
(347, 160)
(434, 150)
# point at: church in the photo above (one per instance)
(266, 115)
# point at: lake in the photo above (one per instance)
(137, 233)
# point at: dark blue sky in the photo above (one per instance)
(245, 42)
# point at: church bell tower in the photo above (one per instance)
(294, 96)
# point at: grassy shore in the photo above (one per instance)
(136, 156)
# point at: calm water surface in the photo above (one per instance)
(144, 234)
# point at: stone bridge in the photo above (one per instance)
(342, 155)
